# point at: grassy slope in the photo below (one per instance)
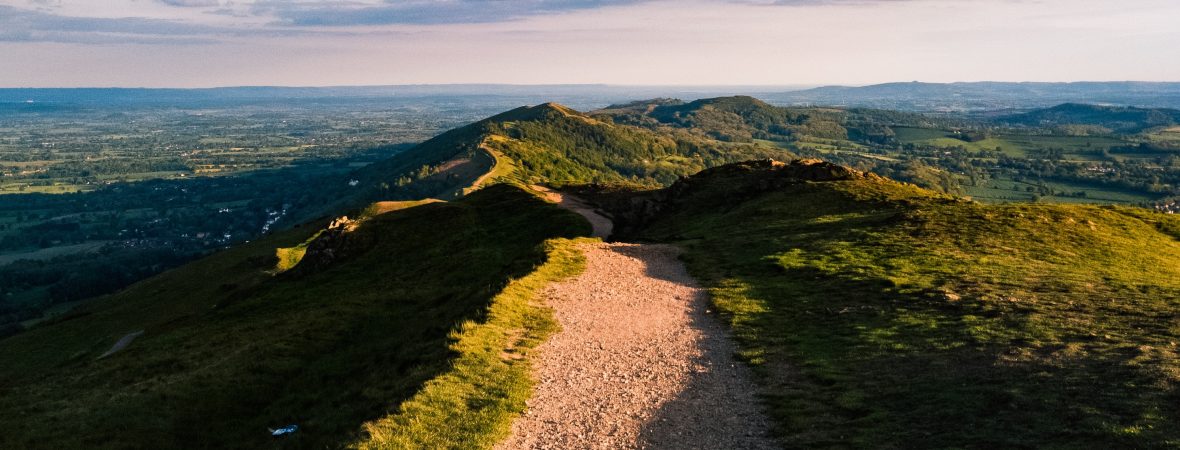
(489, 382)
(553, 144)
(880, 315)
(229, 350)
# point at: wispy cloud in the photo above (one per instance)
(191, 3)
(421, 12)
(307, 42)
(22, 25)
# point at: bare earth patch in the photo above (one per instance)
(639, 363)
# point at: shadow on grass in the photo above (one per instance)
(852, 362)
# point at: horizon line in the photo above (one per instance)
(602, 85)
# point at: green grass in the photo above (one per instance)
(229, 350)
(473, 404)
(879, 315)
(289, 257)
(1000, 190)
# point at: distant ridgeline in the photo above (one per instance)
(984, 96)
(877, 313)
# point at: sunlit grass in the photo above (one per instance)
(881, 316)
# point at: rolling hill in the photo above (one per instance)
(335, 325)
(876, 314)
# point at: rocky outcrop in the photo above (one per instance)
(339, 241)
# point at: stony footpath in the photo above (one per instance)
(639, 363)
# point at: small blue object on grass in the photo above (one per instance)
(284, 430)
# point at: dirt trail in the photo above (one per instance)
(602, 226)
(639, 363)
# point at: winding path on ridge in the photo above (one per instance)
(639, 361)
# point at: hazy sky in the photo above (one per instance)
(189, 43)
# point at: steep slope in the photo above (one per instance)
(882, 315)
(223, 349)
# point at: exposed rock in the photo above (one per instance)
(340, 241)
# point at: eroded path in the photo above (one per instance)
(639, 363)
(602, 226)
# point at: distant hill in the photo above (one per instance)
(1115, 118)
(745, 119)
(556, 144)
(983, 96)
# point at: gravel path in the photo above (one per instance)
(639, 363)
(602, 226)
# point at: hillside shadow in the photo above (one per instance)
(854, 362)
(673, 271)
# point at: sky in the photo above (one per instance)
(206, 43)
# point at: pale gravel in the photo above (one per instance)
(639, 363)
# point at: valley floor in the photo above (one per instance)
(639, 363)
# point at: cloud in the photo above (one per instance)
(421, 12)
(191, 3)
(21, 25)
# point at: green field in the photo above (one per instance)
(1001, 190)
(1083, 148)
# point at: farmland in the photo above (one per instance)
(95, 197)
